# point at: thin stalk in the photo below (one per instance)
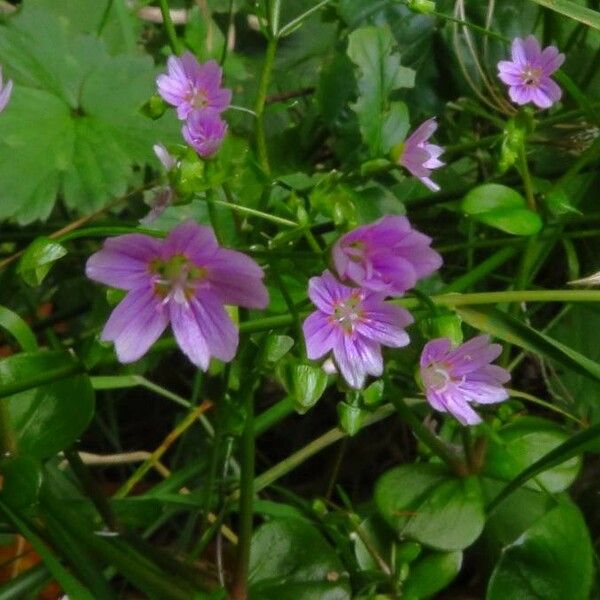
(239, 589)
(273, 415)
(259, 106)
(255, 213)
(169, 27)
(8, 442)
(435, 444)
(526, 176)
(181, 428)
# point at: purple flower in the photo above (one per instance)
(420, 157)
(204, 131)
(184, 279)
(352, 323)
(189, 85)
(456, 378)
(5, 92)
(386, 256)
(528, 74)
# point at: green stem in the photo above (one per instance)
(169, 27)
(239, 589)
(526, 176)
(435, 444)
(8, 442)
(259, 107)
(255, 213)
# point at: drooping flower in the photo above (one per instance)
(189, 85)
(204, 131)
(420, 157)
(455, 378)
(185, 279)
(5, 91)
(386, 256)
(167, 160)
(353, 324)
(528, 73)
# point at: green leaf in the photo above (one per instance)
(290, 560)
(38, 259)
(513, 331)
(382, 123)
(26, 583)
(501, 207)
(551, 560)
(22, 476)
(581, 442)
(520, 444)
(431, 574)
(573, 10)
(335, 87)
(425, 503)
(49, 417)
(86, 104)
(68, 583)
(12, 322)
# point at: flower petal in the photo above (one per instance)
(135, 324)
(385, 323)
(196, 242)
(237, 279)
(124, 261)
(435, 351)
(325, 290)
(320, 335)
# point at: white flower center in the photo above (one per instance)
(176, 279)
(436, 377)
(532, 75)
(347, 313)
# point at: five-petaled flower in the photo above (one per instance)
(204, 131)
(420, 157)
(528, 74)
(189, 85)
(185, 279)
(5, 91)
(353, 324)
(454, 378)
(386, 256)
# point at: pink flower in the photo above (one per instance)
(456, 378)
(185, 279)
(528, 74)
(420, 157)
(189, 85)
(386, 256)
(5, 92)
(204, 131)
(353, 324)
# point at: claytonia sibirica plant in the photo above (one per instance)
(528, 73)
(456, 378)
(386, 256)
(352, 324)
(184, 280)
(289, 376)
(190, 86)
(420, 157)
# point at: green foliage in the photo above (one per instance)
(427, 504)
(383, 123)
(552, 559)
(290, 560)
(85, 101)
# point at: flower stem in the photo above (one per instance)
(526, 177)
(239, 589)
(435, 444)
(8, 443)
(259, 107)
(169, 27)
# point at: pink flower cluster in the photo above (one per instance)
(383, 259)
(195, 90)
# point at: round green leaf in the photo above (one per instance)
(522, 443)
(425, 503)
(501, 207)
(290, 560)
(431, 574)
(551, 560)
(50, 416)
